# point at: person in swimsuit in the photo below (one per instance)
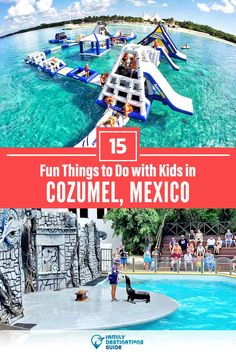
(155, 45)
(87, 71)
(133, 65)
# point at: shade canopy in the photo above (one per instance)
(94, 37)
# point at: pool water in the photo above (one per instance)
(205, 303)
(37, 110)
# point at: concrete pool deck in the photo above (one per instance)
(57, 310)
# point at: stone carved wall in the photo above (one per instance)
(10, 281)
(90, 253)
(78, 258)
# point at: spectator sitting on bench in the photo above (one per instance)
(183, 243)
(233, 261)
(171, 244)
(198, 236)
(228, 238)
(191, 236)
(191, 247)
(200, 249)
(188, 259)
(234, 239)
(199, 262)
(175, 257)
(211, 244)
(218, 245)
(209, 261)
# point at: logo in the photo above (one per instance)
(97, 340)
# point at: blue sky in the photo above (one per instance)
(17, 14)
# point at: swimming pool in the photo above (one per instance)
(39, 111)
(205, 302)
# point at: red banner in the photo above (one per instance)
(118, 173)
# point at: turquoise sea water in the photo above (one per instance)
(40, 111)
(205, 303)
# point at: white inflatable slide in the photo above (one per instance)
(168, 58)
(169, 96)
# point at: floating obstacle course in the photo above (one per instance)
(127, 91)
(163, 40)
(57, 66)
(137, 86)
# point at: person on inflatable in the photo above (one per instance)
(87, 71)
(133, 65)
(103, 78)
(155, 44)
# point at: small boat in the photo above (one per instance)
(185, 46)
(71, 26)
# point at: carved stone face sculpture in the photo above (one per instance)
(32, 213)
(10, 226)
(70, 219)
(102, 235)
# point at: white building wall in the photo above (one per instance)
(111, 240)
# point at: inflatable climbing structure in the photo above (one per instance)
(101, 29)
(163, 40)
(140, 86)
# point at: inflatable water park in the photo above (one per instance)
(129, 89)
